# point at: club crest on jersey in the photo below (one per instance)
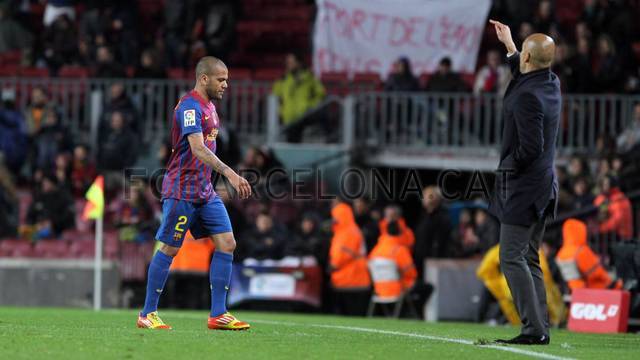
(189, 117)
(212, 135)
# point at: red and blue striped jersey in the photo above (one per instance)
(188, 178)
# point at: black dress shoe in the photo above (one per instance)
(526, 340)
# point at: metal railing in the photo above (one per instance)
(451, 121)
(81, 103)
(455, 120)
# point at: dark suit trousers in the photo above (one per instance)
(520, 264)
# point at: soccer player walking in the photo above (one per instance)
(189, 201)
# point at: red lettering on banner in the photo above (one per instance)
(446, 25)
(400, 32)
(376, 21)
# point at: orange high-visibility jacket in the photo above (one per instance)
(388, 247)
(579, 265)
(406, 237)
(347, 254)
(620, 218)
(194, 255)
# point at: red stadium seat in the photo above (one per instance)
(16, 248)
(34, 72)
(469, 79)
(70, 71)
(11, 57)
(9, 70)
(51, 249)
(239, 74)
(270, 74)
(175, 73)
(82, 249)
(336, 83)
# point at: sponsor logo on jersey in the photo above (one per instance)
(189, 118)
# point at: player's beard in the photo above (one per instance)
(213, 94)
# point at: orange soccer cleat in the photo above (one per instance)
(152, 321)
(226, 321)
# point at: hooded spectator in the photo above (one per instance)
(579, 265)
(348, 263)
(401, 77)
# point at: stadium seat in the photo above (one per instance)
(239, 74)
(51, 249)
(11, 58)
(16, 248)
(34, 72)
(82, 249)
(366, 82)
(9, 70)
(336, 83)
(77, 235)
(468, 79)
(269, 74)
(70, 71)
(424, 79)
(175, 73)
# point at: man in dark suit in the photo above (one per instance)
(526, 188)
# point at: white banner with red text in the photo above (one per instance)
(356, 36)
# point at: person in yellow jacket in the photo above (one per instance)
(348, 263)
(298, 91)
(493, 278)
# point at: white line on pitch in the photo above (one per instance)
(419, 336)
(534, 354)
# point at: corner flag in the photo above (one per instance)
(94, 208)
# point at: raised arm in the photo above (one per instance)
(504, 35)
(200, 151)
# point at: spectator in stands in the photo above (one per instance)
(105, 66)
(608, 70)
(34, 113)
(149, 68)
(60, 43)
(577, 168)
(401, 77)
(13, 132)
(53, 138)
(117, 148)
(393, 213)
(9, 211)
(367, 219)
(485, 230)
(543, 20)
(615, 215)
(83, 171)
(307, 240)
(583, 74)
(13, 36)
(62, 171)
(134, 218)
(629, 139)
(563, 68)
(465, 236)
(298, 91)
(582, 196)
(433, 233)
(525, 30)
(57, 8)
(266, 240)
(219, 28)
(492, 77)
(348, 263)
(579, 265)
(445, 80)
(52, 210)
(120, 102)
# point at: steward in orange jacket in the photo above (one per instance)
(579, 266)
(347, 255)
(390, 247)
(194, 255)
(406, 237)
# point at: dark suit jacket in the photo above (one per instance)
(526, 182)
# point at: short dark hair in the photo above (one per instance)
(446, 61)
(393, 229)
(207, 64)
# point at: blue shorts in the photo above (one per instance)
(203, 219)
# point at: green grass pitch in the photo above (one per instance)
(35, 333)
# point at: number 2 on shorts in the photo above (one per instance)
(181, 221)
